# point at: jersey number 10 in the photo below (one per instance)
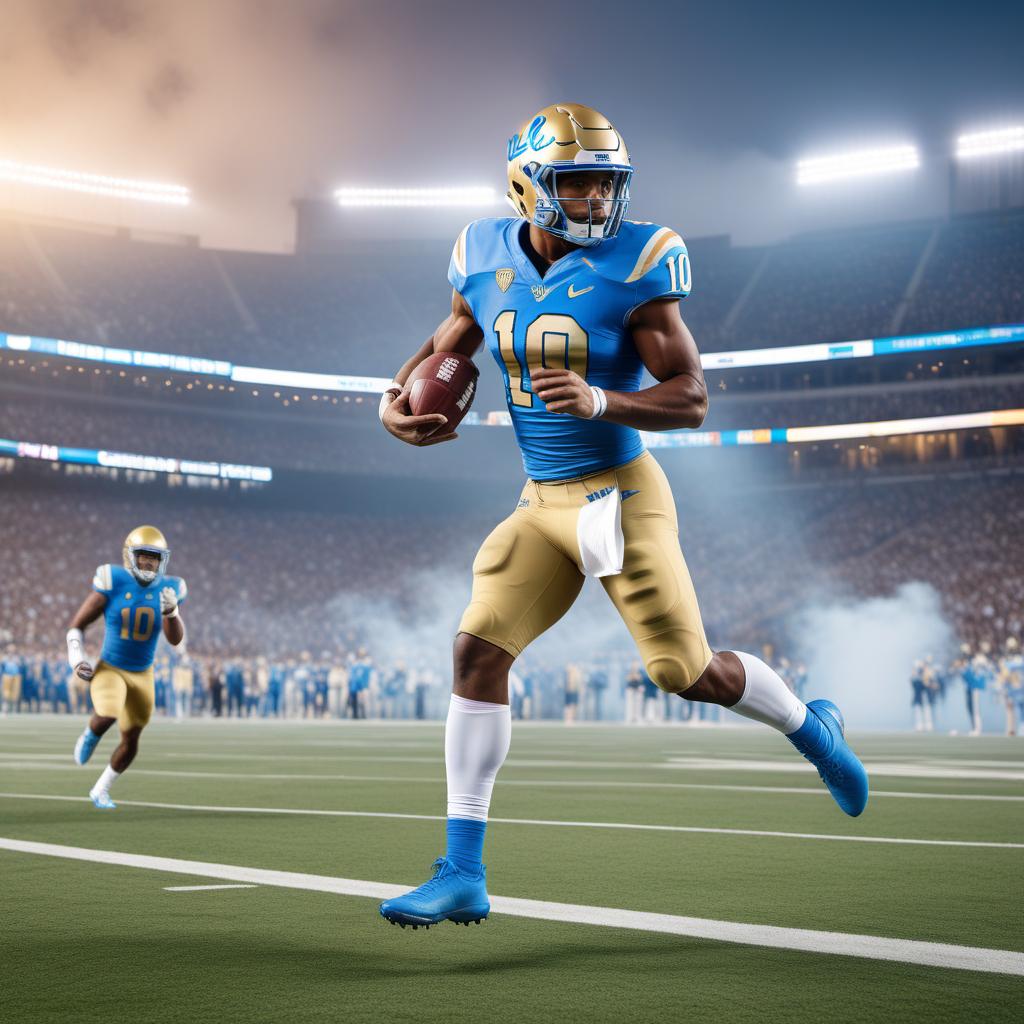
(142, 629)
(553, 340)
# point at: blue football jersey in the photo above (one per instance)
(575, 316)
(132, 616)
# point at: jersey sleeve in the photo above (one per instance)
(181, 589)
(103, 581)
(661, 270)
(457, 273)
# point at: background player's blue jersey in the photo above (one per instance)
(574, 317)
(132, 616)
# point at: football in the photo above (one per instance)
(446, 383)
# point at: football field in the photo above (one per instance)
(642, 873)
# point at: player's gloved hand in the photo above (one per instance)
(168, 602)
(563, 391)
(415, 430)
(84, 670)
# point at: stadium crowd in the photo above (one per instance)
(362, 311)
(308, 591)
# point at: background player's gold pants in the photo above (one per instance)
(10, 688)
(528, 572)
(126, 696)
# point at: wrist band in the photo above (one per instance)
(600, 402)
(76, 647)
(393, 389)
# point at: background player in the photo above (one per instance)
(132, 600)
(575, 303)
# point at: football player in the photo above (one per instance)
(137, 603)
(574, 303)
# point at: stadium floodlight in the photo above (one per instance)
(860, 163)
(988, 143)
(465, 195)
(93, 184)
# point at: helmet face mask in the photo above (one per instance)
(568, 138)
(148, 540)
(589, 229)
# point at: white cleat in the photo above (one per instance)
(101, 799)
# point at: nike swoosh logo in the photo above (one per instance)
(583, 291)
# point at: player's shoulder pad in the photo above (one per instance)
(651, 259)
(478, 249)
(105, 578)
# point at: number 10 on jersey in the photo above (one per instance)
(553, 340)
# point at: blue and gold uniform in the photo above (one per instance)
(122, 685)
(530, 569)
(574, 317)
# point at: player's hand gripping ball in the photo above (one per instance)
(434, 401)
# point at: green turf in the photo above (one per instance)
(86, 942)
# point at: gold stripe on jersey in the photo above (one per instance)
(660, 242)
(459, 253)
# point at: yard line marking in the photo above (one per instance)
(885, 768)
(552, 783)
(545, 822)
(872, 947)
(207, 888)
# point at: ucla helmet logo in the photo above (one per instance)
(567, 137)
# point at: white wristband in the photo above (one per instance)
(600, 402)
(76, 647)
(390, 393)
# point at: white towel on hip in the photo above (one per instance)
(599, 535)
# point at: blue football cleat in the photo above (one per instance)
(838, 765)
(85, 745)
(102, 801)
(449, 896)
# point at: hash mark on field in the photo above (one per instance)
(544, 822)
(872, 947)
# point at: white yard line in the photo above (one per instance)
(544, 822)
(46, 765)
(930, 954)
(205, 888)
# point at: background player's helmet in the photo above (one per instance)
(145, 538)
(566, 136)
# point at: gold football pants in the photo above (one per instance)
(528, 572)
(10, 688)
(126, 696)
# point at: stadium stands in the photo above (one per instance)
(362, 311)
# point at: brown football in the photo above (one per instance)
(446, 383)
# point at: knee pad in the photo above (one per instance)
(675, 660)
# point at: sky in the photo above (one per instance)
(254, 102)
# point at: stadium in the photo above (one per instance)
(186, 345)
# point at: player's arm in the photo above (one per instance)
(89, 611)
(667, 349)
(174, 625)
(458, 333)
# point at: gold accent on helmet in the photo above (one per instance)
(564, 133)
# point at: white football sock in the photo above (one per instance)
(766, 698)
(105, 781)
(476, 740)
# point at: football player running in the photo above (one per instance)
(574, 302)
(132, 601)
